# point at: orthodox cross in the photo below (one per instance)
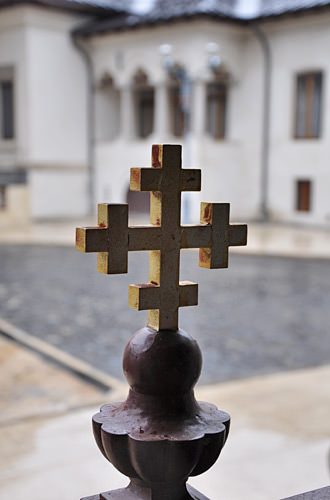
(164, 238)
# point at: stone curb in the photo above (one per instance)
(71, 363)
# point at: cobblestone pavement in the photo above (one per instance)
(262, 315)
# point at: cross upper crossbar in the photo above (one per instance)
(113, 237)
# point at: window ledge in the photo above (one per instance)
(307, 138)
(9, 145)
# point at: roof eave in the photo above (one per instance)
(84, 32)
(293, 13)
(145, 22)
(64, 5)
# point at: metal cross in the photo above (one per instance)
(113, 238)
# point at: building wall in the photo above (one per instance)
(232, 166)
(50, 109)
(298, 45)
(51, 115)
(57, 96)
(16, 209)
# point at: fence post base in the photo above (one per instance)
(133, 492)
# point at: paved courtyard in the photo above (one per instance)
(262, 315)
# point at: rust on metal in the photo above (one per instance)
(135, 184)
(206, 212)
(156, 154)
(80, 240)
(204, 257)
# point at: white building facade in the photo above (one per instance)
(229, 158)
(43, 152)
(258, 96)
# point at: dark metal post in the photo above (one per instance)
(161, 435)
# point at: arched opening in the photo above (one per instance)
(144, 99)
(107, 109)
(176, 112)
(217, 105)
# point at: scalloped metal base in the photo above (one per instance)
(133, 492)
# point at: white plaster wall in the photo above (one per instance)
(298, 45)
(57, 193)
(230, 166)
(57, 90)
(107, 114)
(57, 121)
(248, 123)
(17, 206)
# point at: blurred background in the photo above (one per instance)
(86, 87)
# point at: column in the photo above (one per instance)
(127, 114)
(161, 123)
(198, 117)
(198, 126)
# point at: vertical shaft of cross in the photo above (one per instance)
(166, 211)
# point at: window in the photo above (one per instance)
(7, 109)
(7, 125)
(145, 112)
(107, 109)
(144, 104)
(2, 197)
(303, 195)
(177, 114)
(308, 105)
(216, 110)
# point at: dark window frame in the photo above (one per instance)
(216, 110)
(308, 105)
(177, 115)
(3, 197)
(304, 191)
(145, 111)
(7, 104)
(7, 110)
